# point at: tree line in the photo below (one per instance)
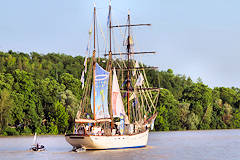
(42, 93)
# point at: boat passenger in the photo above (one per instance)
(81, 130)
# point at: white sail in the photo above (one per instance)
(117, 103)
(35, 138)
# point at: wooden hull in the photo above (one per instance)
(108, 142)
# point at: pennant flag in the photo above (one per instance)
(82, 79)
(87, 49)
(90, 31)
(108, 19)
(140, 80)
(85, 64)
(124, 83)
(136, 66)
(130, 40)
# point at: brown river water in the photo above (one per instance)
(180, 145)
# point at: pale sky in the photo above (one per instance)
(196, 38)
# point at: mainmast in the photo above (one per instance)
(94, 62)
(110, 62)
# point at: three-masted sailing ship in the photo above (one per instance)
(113, 117)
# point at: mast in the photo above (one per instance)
(94, 62)
(128, 71)
(110, 63)
(128, 53)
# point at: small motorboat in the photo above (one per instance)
(36, 146)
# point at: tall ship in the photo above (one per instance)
(112, 116)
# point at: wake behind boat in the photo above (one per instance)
(101, 122)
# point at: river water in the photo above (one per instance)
(180, 145)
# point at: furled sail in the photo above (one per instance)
(117, 103)
(101, 93)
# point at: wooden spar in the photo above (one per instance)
(128, 71)
(110, 66)
(137, 68)
(143, 89)
(130, 25)
(131, 53)
(94, 65)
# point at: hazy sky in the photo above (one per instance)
(197, 38)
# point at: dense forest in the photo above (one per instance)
(41, 93)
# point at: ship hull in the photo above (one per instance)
(91, 142)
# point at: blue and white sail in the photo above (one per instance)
(101, 93)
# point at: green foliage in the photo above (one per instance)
(71, 104)
(38, 130)
(161, 123)
(228, 95)
(236, 120)
(43, 129)
(193, 121)
(10, 131)
(42, 93)
(27, 131)
(26, 100)
(5, 107)
(174, 83)
(72, 84)
(199, 96)
(217, 116)
(168, 112)
(184, 112)
(60, 117)
(206, 120)
(53, 129)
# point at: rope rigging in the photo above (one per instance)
(144, 101)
